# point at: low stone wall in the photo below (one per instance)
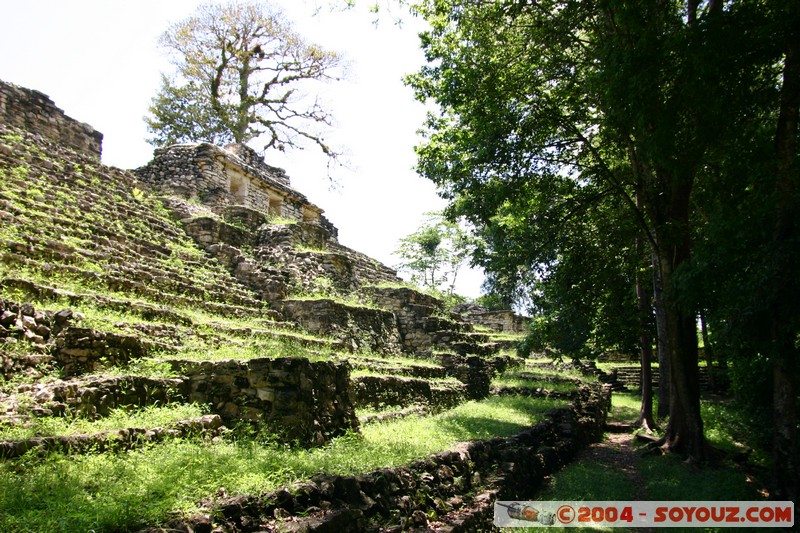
(35, 112)
(49, 337)
(506, 321)
(476, 372)
(382, 391)
(96, 398)
(412, 309)
(501, 321)
(473, 371)
(368, 271)
(21, 321)
(35, 330)
(208, 230)
(631, 377)
(360, 327)
(455, 488)
(82, 350)
(288, 236)
(306, 401)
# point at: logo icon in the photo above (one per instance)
(518, 511)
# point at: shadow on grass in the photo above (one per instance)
(585, 481)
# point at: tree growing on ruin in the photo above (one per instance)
(241, 74)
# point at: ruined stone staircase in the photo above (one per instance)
(86, 225)
(77, 232)
(149, 298)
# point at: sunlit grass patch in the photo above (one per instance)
(130, 490)
(514, 378)
(624, 407)
(585, 481)
(145, 417)
(730, 429)
(247, 350)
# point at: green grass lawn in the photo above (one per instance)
(130, 490)
(661, 478)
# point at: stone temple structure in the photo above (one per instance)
(231, 175)
(32, 110)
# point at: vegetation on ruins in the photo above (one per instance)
(171, 361)
(117, 327)
(677, 119)
(137, 488)
(241, 76)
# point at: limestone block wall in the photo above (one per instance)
(306, 401)
(113, 440)
(501, 321)
(35, 112)
(505, 321)
(473, 371)
(81, 350)
(412, 310)
(310, 251)
(361, 327)
(382, 391)
(97, 397)
(207, 231)
(367, 270)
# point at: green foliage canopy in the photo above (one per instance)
(547, 110)
(435, 253)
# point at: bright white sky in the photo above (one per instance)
(99, 61)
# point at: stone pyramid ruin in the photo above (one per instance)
(204, 277)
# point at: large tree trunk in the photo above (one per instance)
(661, 341)
(645, 307)
(684, 433)
(645, 419)
(785, 287)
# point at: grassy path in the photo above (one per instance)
(615, 469)
(617, 451)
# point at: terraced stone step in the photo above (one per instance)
(382, 366)
(537, 392)
(121, 284)
(59, 198)
(89, 397)
(47, 225)
(361, 327)
(140, 278)
(381, 391)
(297, 338)
(55, 251)
(113, 201)
(47, 293)
(207, 426)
